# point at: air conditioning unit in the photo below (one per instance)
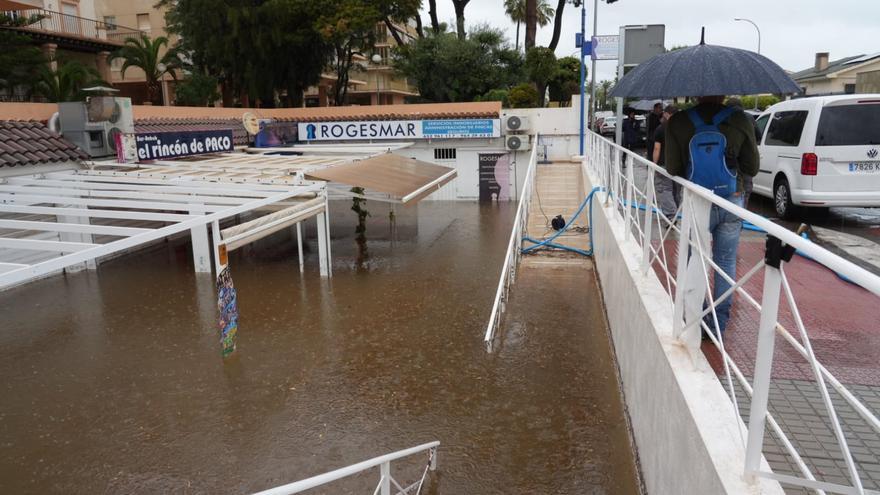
(92, 124)
(517, 143)
(514, 123)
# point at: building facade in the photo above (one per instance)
(838, 76)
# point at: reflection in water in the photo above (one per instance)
(113, 381)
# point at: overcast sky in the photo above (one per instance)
(792, 31)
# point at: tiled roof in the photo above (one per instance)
(239, 135)
(30, 143)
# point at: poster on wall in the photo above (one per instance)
(227, 303)
(400, 129)
(494, 170)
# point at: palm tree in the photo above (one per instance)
(143, 53)
(516, 10)
(65, 83)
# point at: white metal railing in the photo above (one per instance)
(508, 269)
(636, 205)
(386, 481)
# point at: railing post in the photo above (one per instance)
(628, 218)
(690, 284)
(385, 478)
(649, 221)
(763, 366)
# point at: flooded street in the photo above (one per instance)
(113, 380)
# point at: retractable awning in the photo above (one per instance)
(405, 178)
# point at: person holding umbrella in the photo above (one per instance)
(741, 154)
(707, 72)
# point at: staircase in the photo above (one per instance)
(559, 190)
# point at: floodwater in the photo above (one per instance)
(113, 381)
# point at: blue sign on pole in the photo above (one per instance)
(578, 40)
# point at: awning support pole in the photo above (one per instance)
(327, 226)
(201, 251)
(215, 238)
(322, 244)
(299, 246)
(77, 237)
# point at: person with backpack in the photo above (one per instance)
(714, 146)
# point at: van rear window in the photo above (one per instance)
(849, 125)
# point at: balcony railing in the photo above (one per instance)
(57, 23)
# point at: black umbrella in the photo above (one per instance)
(705, 70)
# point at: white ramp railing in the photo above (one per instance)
(692, 302)
(386, 481)
(508, 269)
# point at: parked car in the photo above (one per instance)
(819, 152)
(609, 124)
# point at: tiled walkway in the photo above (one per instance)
(843, 322)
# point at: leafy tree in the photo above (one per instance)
(566, 80)
(256, 49)
(764, 101)
(349, 26)
(496, 95)
(20, 61)
(197, 90)
(523, 96)
(541, 67)
(446, 68)
(516, 10)
(144, 53)
(66, 81)
(602, 94)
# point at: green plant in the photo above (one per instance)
(360, 229)
(764, 101)
(516, 11)
(143, 53)
(197, 90)
(541, 66)
(523, 96)
(496, 95)
(66, 81)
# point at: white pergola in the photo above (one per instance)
(73, 218)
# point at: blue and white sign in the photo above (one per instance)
(400, 129)
(605, 47)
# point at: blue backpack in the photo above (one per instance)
(708, 165)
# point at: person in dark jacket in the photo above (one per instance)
(630, 130)
(653, 122)
(742, 155)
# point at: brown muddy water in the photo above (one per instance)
(113, 380)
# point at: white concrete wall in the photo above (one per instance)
(684, 424)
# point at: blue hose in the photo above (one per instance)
(548, 242)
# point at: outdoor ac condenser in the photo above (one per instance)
(515, 123)
(517, 143)
(92, 125)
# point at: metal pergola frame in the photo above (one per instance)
(67, 204)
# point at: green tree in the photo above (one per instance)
(557, 22)
(523, 96)
(255, 49)
(541, 67)
(144, 53)
(459, 6)
(445, 68)
(566, 80)
(349, 26)
(196, 90)
(66, 81)
(496, 95)
(516, 11)
(20, 61)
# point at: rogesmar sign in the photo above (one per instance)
(400, 129)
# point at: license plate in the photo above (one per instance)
(864, 167)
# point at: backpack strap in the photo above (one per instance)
(722, 115)
(719, 117)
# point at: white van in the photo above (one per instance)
(819, 152)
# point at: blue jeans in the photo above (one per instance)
(725, 228)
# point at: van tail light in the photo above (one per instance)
(809, 164)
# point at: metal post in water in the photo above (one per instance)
(299, 246)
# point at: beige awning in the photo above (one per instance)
(405, 178)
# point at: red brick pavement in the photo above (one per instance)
(842, 320)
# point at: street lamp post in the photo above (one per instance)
(377, 59)
(759, 43)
